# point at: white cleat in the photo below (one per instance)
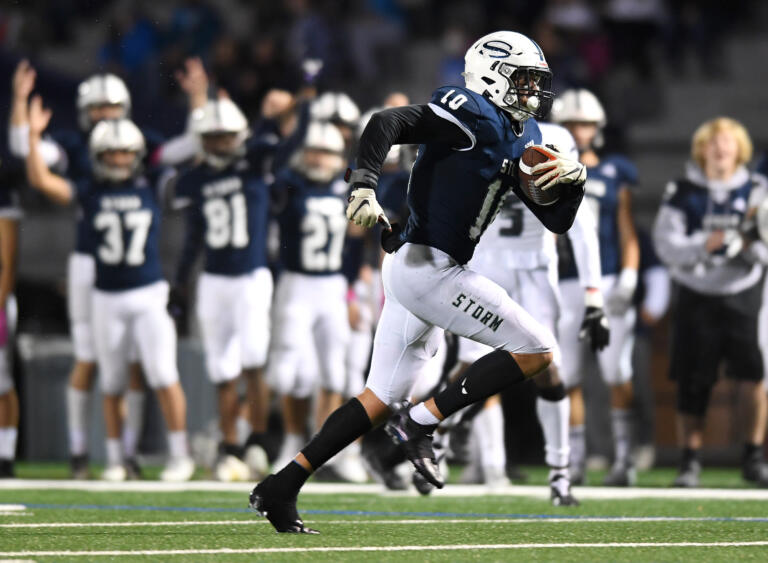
(495, 477)
(257, 462)
(350, 468)
(178, 469)
(230, 469)
(114, 474)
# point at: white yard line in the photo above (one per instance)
(388, 548)
(468, 520)
(12, 507)
(343, 488)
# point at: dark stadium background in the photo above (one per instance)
(660, 69)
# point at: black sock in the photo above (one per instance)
(342, 427)
(289, 480)
(490, 374)
(255, 439)
(752, 452)
(689, 456)
(231, 449)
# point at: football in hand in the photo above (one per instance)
(531, 157)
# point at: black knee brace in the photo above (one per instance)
(552, 394)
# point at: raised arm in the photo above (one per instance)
(39, 176)
(193, 81)
(18, 126)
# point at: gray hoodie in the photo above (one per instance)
(692, 208)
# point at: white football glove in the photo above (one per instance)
(364, 210)
(560, 170)
(620, 298)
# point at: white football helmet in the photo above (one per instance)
(506, 67)
(112, 135)
(324, 137)
(101, 89)
(578, 105)
(335, 107)
(216, 117)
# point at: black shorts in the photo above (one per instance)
(709, 330)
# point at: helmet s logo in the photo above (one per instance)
(498, 49)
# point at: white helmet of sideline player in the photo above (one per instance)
(117, 137)
(102, 91)
(322, 156)
(578, 105)
(510, 70)
(222, 129)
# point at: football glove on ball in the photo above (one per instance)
(560, 170)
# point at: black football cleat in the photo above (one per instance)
(78, 465)
(424, 487)
(6, 469)
(132, 469)
(281, 513)
(416, 440)
(560, 490)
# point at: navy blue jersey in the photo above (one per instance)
(454, 193)
(230, 208)
(703, 213)
(122, 222)
(392, 194)
(762, 165)
(312, 221)
(604, 182)
(78, 166)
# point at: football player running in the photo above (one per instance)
(227, 205)
(471, 139)
(609, 196)
(99, 97)
(121, 215)
(519, 254)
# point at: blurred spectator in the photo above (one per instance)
(718, 272)
(132, 41)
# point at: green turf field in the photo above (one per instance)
(86, 525)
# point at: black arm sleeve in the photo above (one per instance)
(193, 244)
(407, 125)
(559, 216)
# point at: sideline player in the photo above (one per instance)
(99, 97)
(121, 212)
(310, 307)
(609, 178)
(471, 140)
(227, 203)
(519, 254)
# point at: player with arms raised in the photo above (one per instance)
(471, 141)
(121, 212)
